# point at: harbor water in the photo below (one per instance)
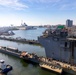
(21, 67)
(29, 34)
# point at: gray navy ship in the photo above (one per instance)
(60, 43)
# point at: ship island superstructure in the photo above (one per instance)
(60, 44)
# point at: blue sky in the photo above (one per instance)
(37, 12)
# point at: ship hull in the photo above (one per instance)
(53, 49)
(56, 49)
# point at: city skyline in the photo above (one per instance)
(37, 12)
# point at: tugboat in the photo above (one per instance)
(4, 69)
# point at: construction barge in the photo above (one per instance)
(22, 40)
(31, 57)
(46, 63)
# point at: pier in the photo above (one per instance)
(22, 40)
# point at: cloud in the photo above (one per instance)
(64, 7)
(49, 1)
(13, 4)
(60, 4)
(68, 5)
(55, 4)
(44, 1)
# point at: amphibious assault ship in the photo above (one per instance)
(60, 44)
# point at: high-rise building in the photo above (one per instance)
(69, 23)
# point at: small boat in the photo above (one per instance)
(4, 69)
